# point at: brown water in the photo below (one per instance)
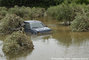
(61, 44)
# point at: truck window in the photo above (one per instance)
(27, 25)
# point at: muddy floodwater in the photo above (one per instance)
(62, 43)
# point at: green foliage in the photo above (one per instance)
(27, 12)
(3, 8)
(16, 43)
(81, 23)
(11, 23)
(23, 12)
(82, 1)
(77, 1)
(3, 12)
(52, 11)
(37, 12)
(65, 12)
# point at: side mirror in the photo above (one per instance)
(46, 26)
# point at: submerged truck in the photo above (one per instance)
(36, 27)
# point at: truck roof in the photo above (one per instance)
(33, 21)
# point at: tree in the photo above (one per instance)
(77, 1)
(83, 1)
(31, 3)
(65, 13)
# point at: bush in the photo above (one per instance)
(81, 23)
(27, 12)
(11, 23)
(65, 12)
(23, 12)
(16, 43)
(62, 12)
(20, 54)
(37, 12)
(3, 12)
(52, 11)
(3, 8)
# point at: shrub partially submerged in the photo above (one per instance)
(65, 12)
(16, 43)
(11, 23)
(20, 54)
(81, 23)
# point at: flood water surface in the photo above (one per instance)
(62, 43)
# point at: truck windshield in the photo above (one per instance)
(37, 25)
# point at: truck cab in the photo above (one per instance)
(36, 27)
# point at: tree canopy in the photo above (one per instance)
(38, 3)
(78, 1)
(31, 3)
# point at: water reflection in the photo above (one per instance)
(67, 38)
(80, 37)
(63, 38)
(41, 37)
